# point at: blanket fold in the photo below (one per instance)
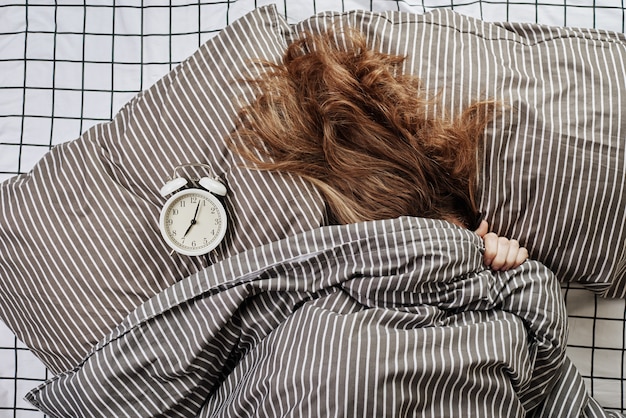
(385, 318)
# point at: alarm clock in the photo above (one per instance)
(193, 220)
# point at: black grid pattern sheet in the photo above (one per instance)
(66, 67)
(597, 344)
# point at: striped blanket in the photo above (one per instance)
(385, 318)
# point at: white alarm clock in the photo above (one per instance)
(193, 220)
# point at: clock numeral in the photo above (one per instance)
(194, 199)
(182, 203)
(174, 212)
(193, 244)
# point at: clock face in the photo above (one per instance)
(193, 222)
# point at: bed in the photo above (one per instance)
(125, 93)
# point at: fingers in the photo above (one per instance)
(502, 253)
(491, 247)
(483, 228)
(522, 256)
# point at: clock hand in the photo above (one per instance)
(193, 221)
(188, 229)
(195, 215)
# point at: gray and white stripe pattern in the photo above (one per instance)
(554, 162)
(386, 318)
(79, 243)
(79, 248)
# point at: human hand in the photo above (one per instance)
(501, 253)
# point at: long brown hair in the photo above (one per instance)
(345, 117)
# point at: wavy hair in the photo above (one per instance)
(345, 117)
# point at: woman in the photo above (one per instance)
(369, 137)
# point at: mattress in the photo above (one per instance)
(67, 68)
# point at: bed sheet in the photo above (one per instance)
(67, 67)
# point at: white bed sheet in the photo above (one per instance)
(64, 68)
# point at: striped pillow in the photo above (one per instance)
(79, 242)
(554, 163)
(79, 245)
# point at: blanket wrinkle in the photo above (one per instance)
(371, 321)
